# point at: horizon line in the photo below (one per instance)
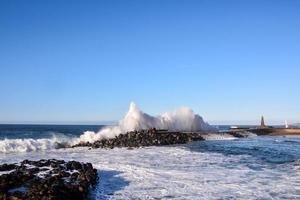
(115, 122)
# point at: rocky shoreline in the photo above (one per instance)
(151, 137)
(46, 180)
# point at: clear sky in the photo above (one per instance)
(85, 61)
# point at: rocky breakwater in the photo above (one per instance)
(46, 180)
(151, 137)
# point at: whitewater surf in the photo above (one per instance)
(181, 120)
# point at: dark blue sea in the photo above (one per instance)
(21, 131)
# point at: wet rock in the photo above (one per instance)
(151, 137)
(7, 167)
(47, 179)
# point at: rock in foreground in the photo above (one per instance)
(141, 138)
(46, 179)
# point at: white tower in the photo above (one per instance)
(262, 122)
(286, 124)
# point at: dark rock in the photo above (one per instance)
(37, 180)
(151, 137)
(7, 167)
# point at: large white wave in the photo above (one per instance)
(183, 119)
(26, 145)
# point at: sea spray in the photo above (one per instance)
(26, 145)
(183, 119)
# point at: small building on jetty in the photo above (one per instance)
(263, 129)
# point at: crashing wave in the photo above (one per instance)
(26, 145)
(183, 119)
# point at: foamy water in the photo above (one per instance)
(182, 119)
(223, 167)
(256, 168)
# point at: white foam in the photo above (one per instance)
(218, 136)
(178, 173)
(26, 145)
(182, 119)
(6, 172)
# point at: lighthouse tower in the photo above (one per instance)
(262, 123)
(286, 124)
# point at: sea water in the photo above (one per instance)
(26, 131)
(248, 168)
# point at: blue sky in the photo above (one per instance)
(85, 61)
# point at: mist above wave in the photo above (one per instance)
(182, 119)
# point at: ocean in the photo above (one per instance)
(261, 167)
(25, 131)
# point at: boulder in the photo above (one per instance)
(47, 180)
(151, 137)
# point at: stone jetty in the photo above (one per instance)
(151, 137)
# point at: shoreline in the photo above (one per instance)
(268, 131)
